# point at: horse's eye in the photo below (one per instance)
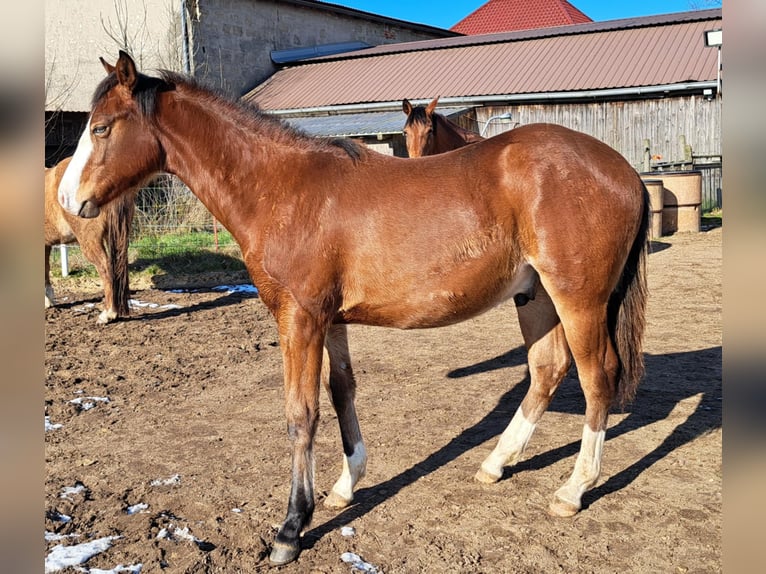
(100, 130)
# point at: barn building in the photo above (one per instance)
(650, 87)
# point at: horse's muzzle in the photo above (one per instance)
(89, 210)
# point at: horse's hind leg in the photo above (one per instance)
(597, 368)
(48, 287)
(338, 379)
(549, 360)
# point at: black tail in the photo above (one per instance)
(118, 225)
(627, 312)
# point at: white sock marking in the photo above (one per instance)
(354, 467)
(587, 467)
(512, 443)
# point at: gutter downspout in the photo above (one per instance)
(186, 59)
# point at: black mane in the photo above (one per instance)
(147, 87)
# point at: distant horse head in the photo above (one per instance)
(429, 133)
(419, 128)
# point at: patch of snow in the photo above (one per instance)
(245, 288)
(357, 563)
(138, 303)
(134, 569)
(51, 426)
(136, 508)
(61, 556)
(174, 533)
(53, 537)
(58, 517)
(68, 491)
(87, 403)
(175, 479)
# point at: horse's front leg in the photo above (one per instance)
(92, 246)
(301, 340)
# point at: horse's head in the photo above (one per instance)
(118, 149)
(419, 128)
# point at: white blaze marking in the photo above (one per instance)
(71, 179)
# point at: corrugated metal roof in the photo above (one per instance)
(507, 15)
(305, 52)
(631, 53)
(357, 125)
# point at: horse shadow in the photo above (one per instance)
(657, 396)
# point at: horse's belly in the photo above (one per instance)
(422, 303)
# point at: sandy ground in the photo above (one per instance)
(187, 419)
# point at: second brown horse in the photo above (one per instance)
(429, 133)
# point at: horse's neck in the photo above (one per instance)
(452, 135)
(203, 145)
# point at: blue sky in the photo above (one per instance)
(447, 13)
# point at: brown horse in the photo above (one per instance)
(429, 133)
(103, 240)
(332, 234)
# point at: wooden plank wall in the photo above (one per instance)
(624, 125)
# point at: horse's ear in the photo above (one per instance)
(126, 71)
(406, 106)
(432, 106)
(107, 66)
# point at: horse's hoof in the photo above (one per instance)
(283, 552)
(485, 477)
(106, 317)
(562, 508)
(336, 501)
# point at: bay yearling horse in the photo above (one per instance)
(103, 241)
(429, 133)
(333, 233)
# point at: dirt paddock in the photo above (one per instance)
(172, 439)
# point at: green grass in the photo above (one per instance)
(164, 260)
(175, 243)
(712, 218)
(185, 254)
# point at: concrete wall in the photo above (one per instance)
(224, 43)
(232, 39)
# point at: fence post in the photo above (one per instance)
(64, 260)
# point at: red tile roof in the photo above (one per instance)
(510, 15)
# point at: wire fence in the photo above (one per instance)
(169, 219)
